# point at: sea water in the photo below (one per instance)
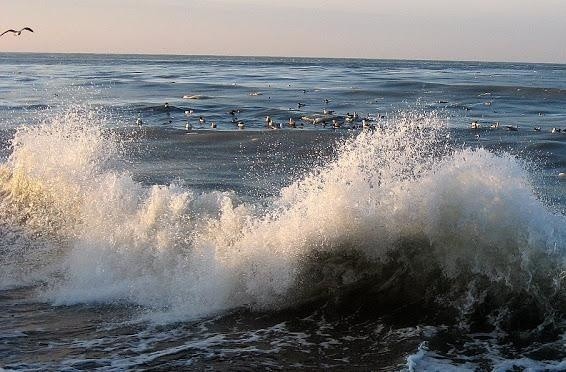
(415, 244)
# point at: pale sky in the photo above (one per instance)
(492, 30)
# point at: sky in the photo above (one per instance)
(483, 30)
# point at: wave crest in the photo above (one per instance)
(400, 211)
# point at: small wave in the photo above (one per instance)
(149, 109)
(196, 96)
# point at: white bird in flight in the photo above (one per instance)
(17, 32)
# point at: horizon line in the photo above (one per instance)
(288, 57)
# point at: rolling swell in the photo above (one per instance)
(399, 218)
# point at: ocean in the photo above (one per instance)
(388, 215)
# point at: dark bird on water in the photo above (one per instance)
(17, 32)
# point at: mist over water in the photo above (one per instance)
(409, 239)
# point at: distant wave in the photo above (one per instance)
(495, 89)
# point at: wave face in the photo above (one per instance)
(399, 216)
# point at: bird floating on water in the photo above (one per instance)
(350, 118)
(475, 125)
(16, 32)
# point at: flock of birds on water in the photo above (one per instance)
(327, 118)
(476, 125)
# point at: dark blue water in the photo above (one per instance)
(527, 95)
(411, 243)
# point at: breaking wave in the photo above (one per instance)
(400, 216)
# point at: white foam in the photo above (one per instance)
(426, 360)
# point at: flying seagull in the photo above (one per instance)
(17, 32)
